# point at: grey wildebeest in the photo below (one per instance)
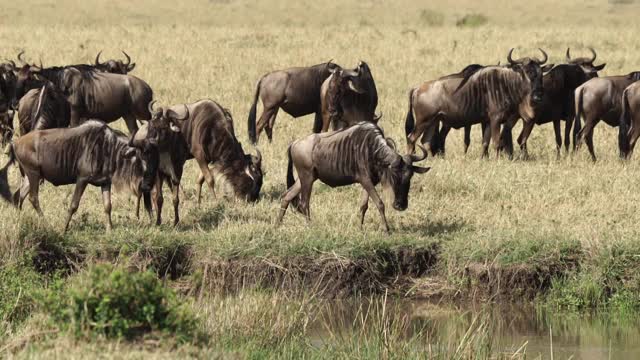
(496, 94)
(92, 94)
(348, 97)
(203, 131)
(91, 153)
(599, 99)
(295, 90)
(358, 154)
(558, 100)
(629, 120)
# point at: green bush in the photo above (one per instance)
(115, 302)
(17, 293)
(472, 20)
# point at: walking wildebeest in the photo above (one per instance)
(558, 100)
(438, 140)
(348, 95)
(600, 99)
(92, 94)
(629, 120)
(359, 154)
(294, 90)
(495, 94)
(206, 134)
(91, 153)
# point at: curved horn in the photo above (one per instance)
(546, 57)
(415, 158)
(133, 136)
(594, 55)
(128, 58)
(150, 106)
(20, 57)
(568, 55)
(186, 114)
(41, 67)
(509, 58)
(97, 62)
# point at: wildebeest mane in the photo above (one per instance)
(635, 75)
(492, 85)
(465, 74)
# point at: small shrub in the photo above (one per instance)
(431, 18)
(472, 20)
(17, 288)
(115, 302)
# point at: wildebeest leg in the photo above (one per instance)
(467, 137)
(506, 139)
(138, 197)
(199, 185)
(81, 185)
(132, 124)
(158, 199)
(371, 190)
(589, 139)
(486, 139)
(34, 187)
(287, 197)
(495, 136)
(22, 193)
(204, 168)
(558, 133)
(364, 205)
(306, 183)
(176, 203)
(586, 133)
(567, 133)
(527, 127)
(264, 120)
(421, 126)
(633, 139)
(269, 126)
(106, 200)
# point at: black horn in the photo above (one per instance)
(546, 57)
(20, 57)
(128, 58)
(415, 158)
(568, 55)
(150, 107)
(593, 55)
(509, 58)
(97, 62)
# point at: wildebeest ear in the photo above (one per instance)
(547, 68)
(419, 169)
(129, 153)
(600, 67)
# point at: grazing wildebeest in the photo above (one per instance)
(92, 94)
(557, 102)
(204, 131)
(294, 90)
(495, 94)
(348, 95)
(114, 66)
(43, 108)
(358, 154)
(599, 99)
(91, 153)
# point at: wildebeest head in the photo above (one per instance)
(6, 126)
(357, 80)
(249, 184)
(586, 64)
(532, 70)
(27, 78)
(399, 175)
(115, 66)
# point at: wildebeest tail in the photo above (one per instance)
(251, 125)
(5, 191)
(625, 122)
(577, 123)
(290, 179)
(409, 123)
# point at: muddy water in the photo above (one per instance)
(506, 329)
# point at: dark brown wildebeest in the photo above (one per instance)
(114, 66)
(599, 99)
(92, 94)
(294, 90)
(203, 131)
(348, 95)
(7, 102)
(558, 100)
(496, 94)
(91, 153)
(358, 154)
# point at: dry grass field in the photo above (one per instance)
(567, 221)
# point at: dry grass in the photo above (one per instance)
(219, 49)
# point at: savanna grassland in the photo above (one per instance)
(563, 232)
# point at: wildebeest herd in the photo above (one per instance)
(64, 139)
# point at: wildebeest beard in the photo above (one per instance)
(335, 92)
(152, 157)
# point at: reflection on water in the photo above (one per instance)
(507, 328)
